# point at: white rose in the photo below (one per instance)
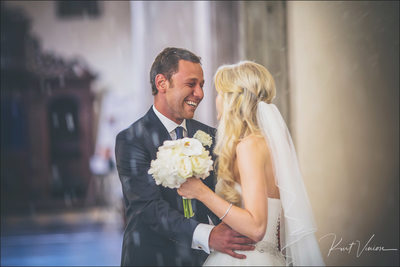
(191, 147)
(168, 144)
(199, 165)
(204, 138)
(202, 165)
(185, 167)
(173, 181)
(162, 169)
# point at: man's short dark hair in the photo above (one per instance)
(167, 63)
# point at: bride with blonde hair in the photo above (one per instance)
(260, 191)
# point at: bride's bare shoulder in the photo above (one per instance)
(251, 143)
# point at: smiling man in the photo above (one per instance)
(179, 95)
(157, 233)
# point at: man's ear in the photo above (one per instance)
(161, 83)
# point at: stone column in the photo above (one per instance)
(262, 38)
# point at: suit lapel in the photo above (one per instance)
(190, 129)
(157, 131)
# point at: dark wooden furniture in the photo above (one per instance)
(46, 123)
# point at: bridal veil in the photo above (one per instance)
(298, 241)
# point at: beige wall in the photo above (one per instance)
(103, 42)
(343, 60)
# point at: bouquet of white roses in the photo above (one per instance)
(180, 159)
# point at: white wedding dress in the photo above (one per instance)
(266, 252)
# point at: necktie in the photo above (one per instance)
(179, 132)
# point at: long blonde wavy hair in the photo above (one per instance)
(242, 86)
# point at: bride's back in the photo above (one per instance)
(263, 152)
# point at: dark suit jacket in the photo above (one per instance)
(157, 233)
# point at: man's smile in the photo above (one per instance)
(191, 103)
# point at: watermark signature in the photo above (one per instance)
(354, 246)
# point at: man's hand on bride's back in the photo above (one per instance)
(224, 239)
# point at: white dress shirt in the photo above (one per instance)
(202, 232)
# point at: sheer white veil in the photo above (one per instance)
(298, 241)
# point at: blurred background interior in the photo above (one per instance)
(75, 73)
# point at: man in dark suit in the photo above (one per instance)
(157, 233)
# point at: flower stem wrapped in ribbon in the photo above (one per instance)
(178, 160)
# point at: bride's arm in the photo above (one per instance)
(252, 220)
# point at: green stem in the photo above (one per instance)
(187, 208)
(191, 214)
